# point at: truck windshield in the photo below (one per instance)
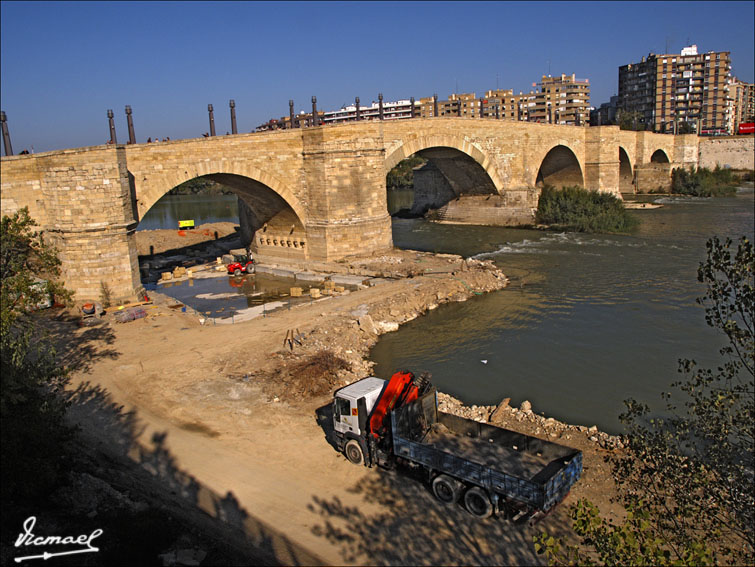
(342, 407)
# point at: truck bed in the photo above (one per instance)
(505, 458)
(523, 468)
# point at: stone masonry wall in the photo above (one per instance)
(82, 200)
(737, 152)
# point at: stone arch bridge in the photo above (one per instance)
(319, 193)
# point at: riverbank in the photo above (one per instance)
(222, 417)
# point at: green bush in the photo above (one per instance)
(32, 432)
(703, 182)
(402, 176)
(574, 208)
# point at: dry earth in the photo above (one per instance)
(215, 413)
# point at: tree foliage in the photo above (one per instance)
(630, 120)
(31, 410)
(574, 208)
(686, 481)
(200, 186)
(402, 176)
(703, 182)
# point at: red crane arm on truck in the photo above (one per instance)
(401, 389)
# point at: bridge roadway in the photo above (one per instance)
(319, 193)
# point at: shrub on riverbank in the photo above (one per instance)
(402, 176)
(574, 208)
(703, 182)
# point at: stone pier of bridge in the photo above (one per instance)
(316, 194)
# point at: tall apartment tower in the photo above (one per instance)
(669, 90)
(744, 103)
(561, 100)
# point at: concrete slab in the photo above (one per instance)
(309, 277)
(275, 271)
(376, 281)
(343, 279)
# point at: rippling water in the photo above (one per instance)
(587, 321)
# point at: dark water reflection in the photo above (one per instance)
(588, 320)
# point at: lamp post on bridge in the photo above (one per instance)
(314, 111)
(111, 123)
(6, 135)
(356, 102)
(212, 120)
(380, 105)
(232, 104)
(291, 113)
(435, 105)
(130, 122)
(411, 110)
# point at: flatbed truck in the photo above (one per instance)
(491, 470)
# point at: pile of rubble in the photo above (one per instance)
(504, 415)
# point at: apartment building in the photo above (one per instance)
(396, 110)
(561, 100)
(503, 104)
(668, 90)
(744, 103)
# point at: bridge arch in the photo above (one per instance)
(626, 176)
(151, 187)
(416, 145)
(560, 167)
(659, 156)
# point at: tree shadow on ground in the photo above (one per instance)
(79, 347)
(401, 523)
(180, 511)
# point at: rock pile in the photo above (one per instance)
(546, 427)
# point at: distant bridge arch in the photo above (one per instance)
(560, 167)
(416, 145)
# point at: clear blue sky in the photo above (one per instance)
(65, 63)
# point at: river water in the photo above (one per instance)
(586, 322)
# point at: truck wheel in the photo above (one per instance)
(477, 503)
(237, 272)
(353, 452)
(446, 489)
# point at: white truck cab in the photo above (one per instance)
(352, 405)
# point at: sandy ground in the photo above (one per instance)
(212, 412)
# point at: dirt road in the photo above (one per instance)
(199, 406)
